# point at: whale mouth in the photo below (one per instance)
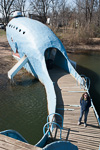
(54, 57)
(50, 55)
(16, 54)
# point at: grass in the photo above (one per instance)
(2, 32)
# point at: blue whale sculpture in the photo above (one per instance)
(37, 42)
(38, 48)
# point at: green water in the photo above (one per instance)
(89, 65)
(23, 107)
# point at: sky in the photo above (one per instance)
(71, 2)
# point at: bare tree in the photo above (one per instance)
(20, 5)
(57, 12)
(54, 12)
(87, 7)
(63, 12)
(98, 13)
(6, 9)
(40, 7)
(90, 6)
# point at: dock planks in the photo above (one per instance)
(68, 100)
(7, 143)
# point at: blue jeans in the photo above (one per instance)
(85, 112)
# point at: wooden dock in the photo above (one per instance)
(7, 143)
(68, 101)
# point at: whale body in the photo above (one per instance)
(37, 42)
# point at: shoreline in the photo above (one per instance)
(82, 51)
(76, 49)
(83, 48)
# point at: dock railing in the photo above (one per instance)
(84, 83)
(96, 114)
(50, 125)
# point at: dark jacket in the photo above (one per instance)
(85, 104)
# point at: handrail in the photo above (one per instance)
(53, 117)
(85, 82)
(88, 82)
(81, 79)
(96, 114)
(48, 123)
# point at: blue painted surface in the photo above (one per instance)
(60, 145)
(14, 134)
(43, 141)
(32, 38)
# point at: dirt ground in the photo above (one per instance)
(7, 62)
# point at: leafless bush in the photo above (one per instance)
(77, 36)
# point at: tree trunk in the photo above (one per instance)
(99, 14)
(86, 11)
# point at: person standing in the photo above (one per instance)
(85, 103)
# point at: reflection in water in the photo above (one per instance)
(23, 107)
(89, 65)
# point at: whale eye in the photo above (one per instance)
(16, 28)
(19, 30)
(23, 32)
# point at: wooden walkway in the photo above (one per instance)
(68, 95)
(7, 143)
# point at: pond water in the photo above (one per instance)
(23, 107)
(89, 65)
